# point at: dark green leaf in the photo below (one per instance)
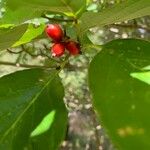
(53, 132)
(121, 100)
(10, 36)
(26, 98)
(127, 10)
(78, 6)
(22, 10)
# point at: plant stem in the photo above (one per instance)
(24, 65)
(62, 65)
(13, 51)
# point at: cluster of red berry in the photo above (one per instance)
(61, 41)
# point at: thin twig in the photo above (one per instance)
(68, 66)
(41, 54)
(13, 51)
(32, 55)
(24, 65)
(19, 57)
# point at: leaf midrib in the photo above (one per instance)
(67, 5)
(28, 106)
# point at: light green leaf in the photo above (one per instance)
(6, 26)
(25, 103)
(10, 36)
(127, 10)
(31, 33)
(121, 101)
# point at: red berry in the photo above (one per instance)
(73, 47)
(58, 49)
(54, 31)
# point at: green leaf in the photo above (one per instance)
(4, 26)
(53, 132)
(31, 33)
(25, 103)
(22, 10)
(121, 101)
(10, 36)
(78, 6)
(127, 10)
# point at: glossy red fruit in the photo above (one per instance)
(55, 32)
(73, 47)
(58, 49)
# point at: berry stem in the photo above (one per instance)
(62, 65)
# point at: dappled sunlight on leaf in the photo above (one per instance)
(44, 125)
(142, 76)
